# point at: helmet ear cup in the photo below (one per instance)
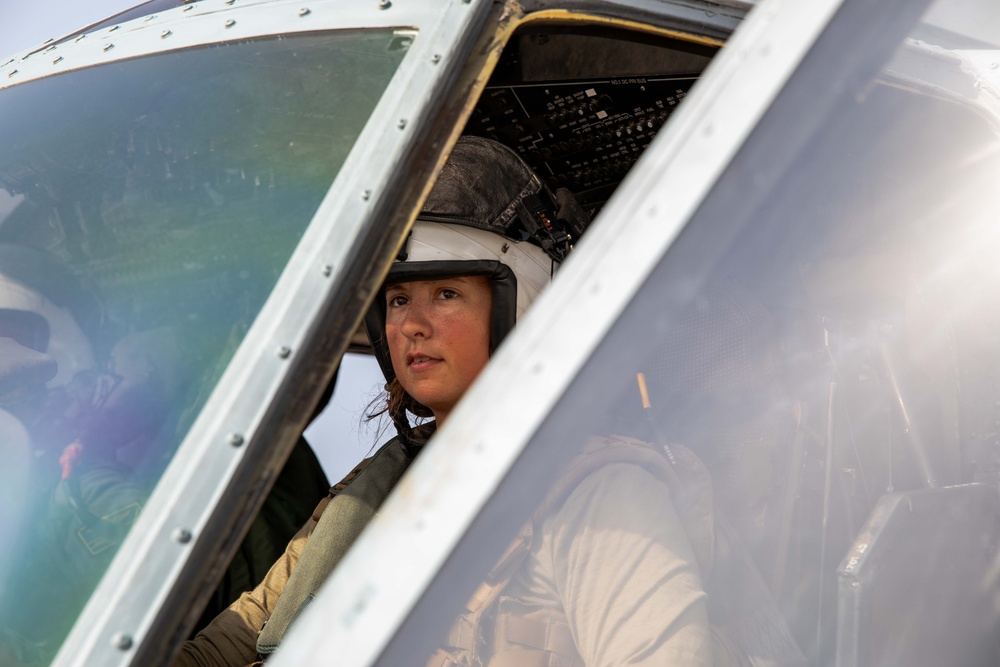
(504, 312)
(375, 327)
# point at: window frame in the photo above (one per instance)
(369, 597)
(220, 474)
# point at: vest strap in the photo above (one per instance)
(549, 635)
(342, 520)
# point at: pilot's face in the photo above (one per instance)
(438, 333)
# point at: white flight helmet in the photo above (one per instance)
(37, 303)
(488, 214)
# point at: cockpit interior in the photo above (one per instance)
(829, 359)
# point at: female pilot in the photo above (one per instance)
(603, 586)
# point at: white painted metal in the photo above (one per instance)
(207, 22)
(365, 601)
(969, 77)
(118, 616)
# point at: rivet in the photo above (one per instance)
(235, 439)
(401, 124)
(57, 60)
(80, 37)
(50, 49)
(327, 270)
(366, 195)
(284, 351)
(121, 641)
(188, 8)
(384, 4)
(108, 47)
(113, 28)
(230, 23)
(305, 11)
(149, 18)
(165, 34)
(230, 2)
(11, 73)
(182, 535)
(436, 58)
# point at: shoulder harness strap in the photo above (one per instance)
(355, 505)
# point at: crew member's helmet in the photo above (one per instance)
(44, 308)
(488, 214)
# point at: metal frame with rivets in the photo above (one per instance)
(250, 422)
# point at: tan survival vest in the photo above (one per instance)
(543, 638)
(749, 632)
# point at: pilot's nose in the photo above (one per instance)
(416, 323)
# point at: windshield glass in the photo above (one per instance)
(787, 448)
(147, 208)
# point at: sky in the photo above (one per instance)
(341, 437)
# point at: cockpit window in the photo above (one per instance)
(791, 432)
(147, 208)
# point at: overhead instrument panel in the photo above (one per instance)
(580, 104)
(582, 135)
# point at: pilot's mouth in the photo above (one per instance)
(420, 361)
